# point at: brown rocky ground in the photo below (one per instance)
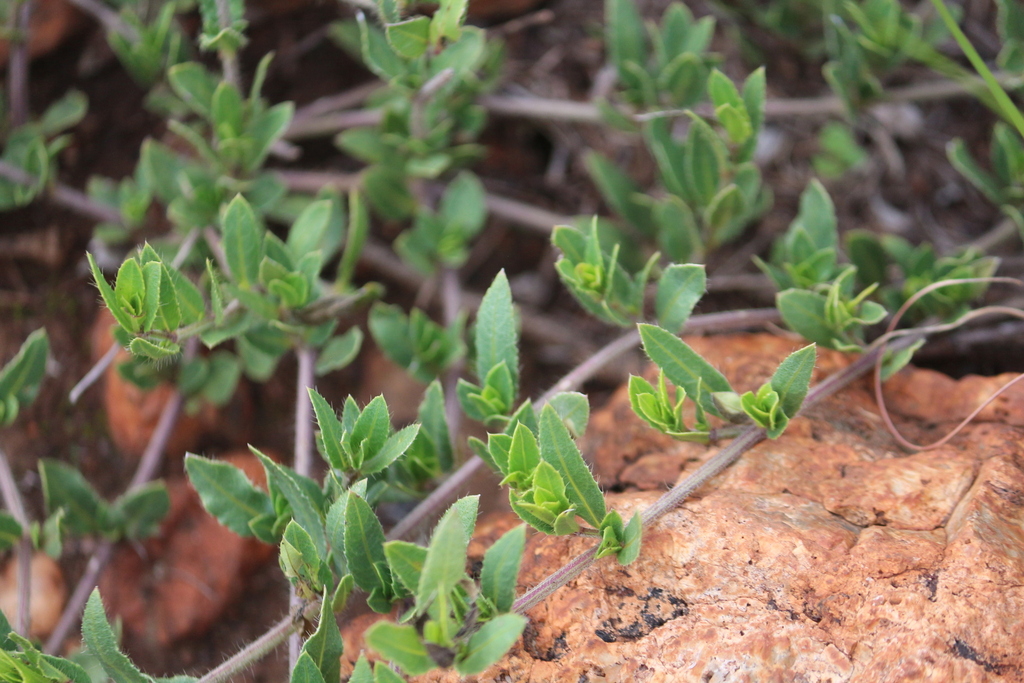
(828, 555)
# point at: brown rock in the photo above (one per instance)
(133, 413)
(178, 583)
(827, 555)
(50, 23)
(47, 594)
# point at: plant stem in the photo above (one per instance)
(17, 65)
(254, 651)
(228, 58)
(303, 461)
(109, 19)
(148, 465)
(451, 306)
(431, 506)
(749, 438)
(23, 552)
(64, 196)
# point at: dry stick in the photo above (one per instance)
(17, 65)
(750, 437)
(431, 506)
(23, 553)
(303, 462)
(148, 466)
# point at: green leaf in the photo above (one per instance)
(394, 448)
(242, 240)
(227, 493)
(803, 312)
(792, 379)
(382, 673)
(64, 113)
(401, 645)
(409, 38)
(631, 540)
(683, 366)
(619, 191)
(434, 425)
(445, 563)
(65, 487)
(496, 336)
(679, 289)
(558, 449)
(195, 86)
(227, 110)
(362, 673)
(300, 561)
(331, 431)
(123, 318)
(464, 204)
(10, 531)
(325, 646)
(625, 36)
(306, 671)
(21, 376)
(100, 641)
(490, 643)
(142, 509)
(309, 231)
(364, 544)
(573, 409)
(406, 562)
(297, 493)
(447, 21)
(339, 351)
(501, 568)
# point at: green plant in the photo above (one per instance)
(839, 151)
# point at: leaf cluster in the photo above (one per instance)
(713, 188)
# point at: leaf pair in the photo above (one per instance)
(415, 342)
(443, 238)
(136, 514)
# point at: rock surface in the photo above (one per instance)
(176, 584)
(828, 555)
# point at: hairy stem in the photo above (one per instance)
(749, 438)
(256, 650)
(23, 551)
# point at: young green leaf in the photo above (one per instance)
(558, 449)
(65, 487)
(679, 289)
(401, 645)
(406, 562)
(631, 540)
(409, 38)
(362, 673)
(490, 643)
(100, 640)
(300, 561)
(496, 336)
(793, 377)
(574, 410)
(325, 646)
(297, 492)
(331, 431)
(382, 673)
(10, 531)
(306, 671)
(242, 240)
(445, 563)
(394, 448)
(227, 493)
(364, 545)
(501, 568)
(339, 352)
(683, 366)
(141, 510)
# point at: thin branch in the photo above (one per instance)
(148, 465)
(329, 124)
(451, 306)
(431, 506)
(64, 196)
(352, 97)
(228, 58)
(750, 437)
(108, 18)
(254, 651)
(23, 552)
(17, 65)
(303, 462)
